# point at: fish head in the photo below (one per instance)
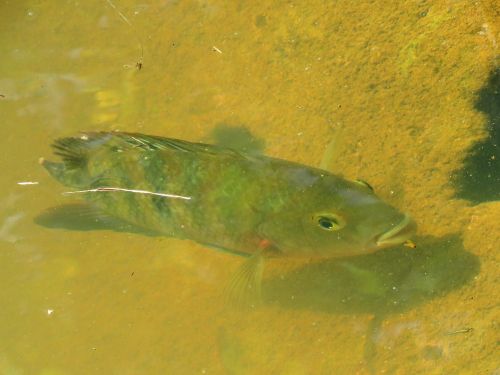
(334, 217)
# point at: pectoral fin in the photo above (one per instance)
(328, 155)
(244, 289)
(333, 149)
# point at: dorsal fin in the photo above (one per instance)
(75, 151)
(122, 141)
(153, 143)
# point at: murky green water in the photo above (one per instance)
(395, 87)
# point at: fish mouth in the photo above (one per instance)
(398, 234)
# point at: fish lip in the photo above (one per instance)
(398, 234)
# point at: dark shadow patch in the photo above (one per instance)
(81, 217)
(238, 138)
(479, 179)
(382, 283)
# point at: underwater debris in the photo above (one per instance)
(139, 63)
(464, 330)
(410, 244)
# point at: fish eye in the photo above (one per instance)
(329, 222)
(364, 183)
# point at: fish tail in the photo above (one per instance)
(73, 151)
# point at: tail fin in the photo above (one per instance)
(56, 170)
(72, 151)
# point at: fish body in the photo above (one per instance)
(219, 196)
(249, 204)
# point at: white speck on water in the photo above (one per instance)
(23, 183)
(49, 312)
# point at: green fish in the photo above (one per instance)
(249, 204)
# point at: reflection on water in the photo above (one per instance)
(397, 94)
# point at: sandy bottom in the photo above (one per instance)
(393, 86)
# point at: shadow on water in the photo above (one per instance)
(479, 179)
(381, 283)
(81, 217)
(378, 284)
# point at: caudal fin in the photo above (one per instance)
(74, 152)
(56, 170)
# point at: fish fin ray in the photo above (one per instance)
(72, 150)
(75, 150)
(153, 143)
(244, 288)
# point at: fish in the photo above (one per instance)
(249, 204)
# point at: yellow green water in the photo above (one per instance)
(390, 84)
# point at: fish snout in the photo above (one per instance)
(397, 235)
